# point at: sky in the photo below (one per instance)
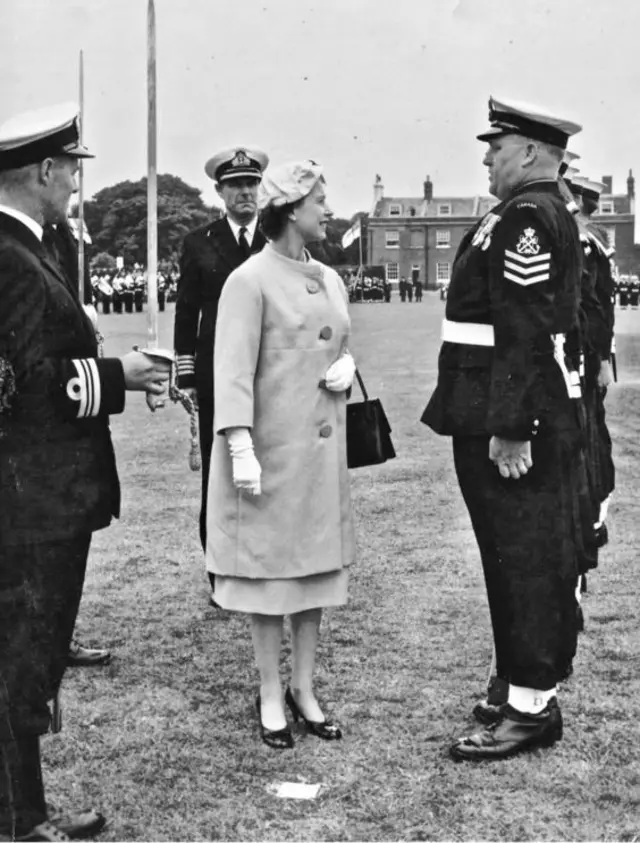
(397, 88)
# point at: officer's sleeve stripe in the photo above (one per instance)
(85, 388)
(89, 389)
(95, 387)
(525, 282)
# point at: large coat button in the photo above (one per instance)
(325, 431)
(326, 333)
(312, 287)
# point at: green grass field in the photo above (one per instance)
(165, 740)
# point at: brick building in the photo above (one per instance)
(616, 215)
(419, 236)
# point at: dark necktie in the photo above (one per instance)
(243, 243)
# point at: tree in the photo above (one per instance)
(103, 262)
(117, 218)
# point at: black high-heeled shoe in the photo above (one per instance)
(276, 739)
(324, 729)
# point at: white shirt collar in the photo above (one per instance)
(251, 229)
(25, 219)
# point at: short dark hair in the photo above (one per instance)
(273, 220)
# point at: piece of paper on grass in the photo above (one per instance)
(294, 790)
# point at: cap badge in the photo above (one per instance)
(528, 244)
(240, 159)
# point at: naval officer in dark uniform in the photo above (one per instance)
(507, 396)
(599, 373)
(209, 255)
(60, 241)
(58, 478)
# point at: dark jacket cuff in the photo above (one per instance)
(113, 385)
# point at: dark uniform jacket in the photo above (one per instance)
(517, 270)
(63, 246)
(57, 469)
(209, 255)
(604, 287)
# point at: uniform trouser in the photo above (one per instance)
(599, 449)
(40, 590)
(205, 429)
(525, 534)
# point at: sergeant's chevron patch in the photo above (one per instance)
(527, 270)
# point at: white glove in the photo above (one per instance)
(340, 374)
(246, 468)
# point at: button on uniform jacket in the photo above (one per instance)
(209, 255)
(517, 270)
(57, 469)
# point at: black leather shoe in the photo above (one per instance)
(80, 656)
(601, 536)
(514, 733)
(490, 710)
(276, 739)
(83, 825)
(324, 729)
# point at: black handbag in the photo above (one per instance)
(368, 431)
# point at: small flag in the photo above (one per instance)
(351, 235)
(74, 225)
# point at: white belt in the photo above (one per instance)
(467, 333)
(571, 378)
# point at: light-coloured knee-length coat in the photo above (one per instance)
(281, 324)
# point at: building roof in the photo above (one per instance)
(461, 206)
(621, 203)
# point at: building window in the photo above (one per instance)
(611, 236)
(417, 239)
(444, 210)
(392, 272)
(443, 271)
(392, 239)
(395, 210)
(606, 207)
(443, 239)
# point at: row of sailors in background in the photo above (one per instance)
(627, 291)
(369, 288)
(126, 291)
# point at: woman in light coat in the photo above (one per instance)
(280, 532)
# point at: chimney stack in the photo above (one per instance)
(608, 185)
(378, 190)
(631, 186)
(428, 189)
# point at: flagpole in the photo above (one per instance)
(81, 183)
(152, 184)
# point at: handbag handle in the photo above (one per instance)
(362, 386)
